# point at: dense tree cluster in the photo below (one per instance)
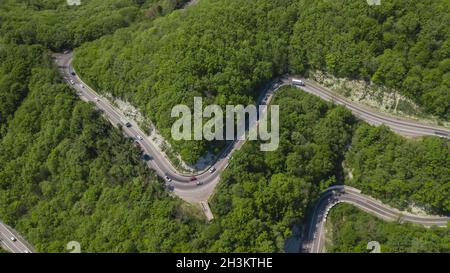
(262, 195)
(57, 25)
(351, 230)
(16, 65)
(225, 50)
(67, 175)
(401, 44)
(399, 171)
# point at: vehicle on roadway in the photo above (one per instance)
(199, 183)
(96, 99)
(125, 122)
(168, 179)
(193, 178)
(139, 137)
(298, 82)
(73, 73)
(170, 187)
(439, 134)
(13, 239)
(213, 169)
(72, 82)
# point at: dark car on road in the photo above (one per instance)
(146, 157)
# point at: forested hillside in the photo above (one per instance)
(350, 230)
(56, 25)
(402, 44)
(225, 50)
(52, 24)
(67, 175)
(263, 194)
(16, 64)
(399, 171)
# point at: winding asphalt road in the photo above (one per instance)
(188, 189)
(180, 182)
(183, 184)
(314, 236)
(401, 126)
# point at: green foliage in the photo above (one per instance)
(400, 44)
(223, 51)
(16, 64)
(58, 26)
(67, 175)
(399, 171)
(262, 195)
(351, 230)
(226, 50)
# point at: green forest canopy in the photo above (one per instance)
(52, 24)
(58, 26)
(401, 172)
(89, 183)
(226, 50)
(350, 230)
(66, 174)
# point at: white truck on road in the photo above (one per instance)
(298, 82)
